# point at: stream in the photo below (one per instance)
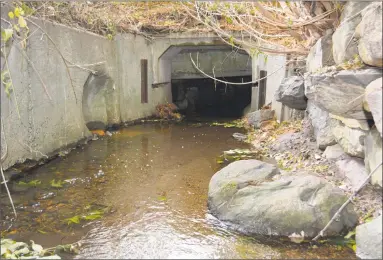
(140, 193)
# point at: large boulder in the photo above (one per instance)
(369, 239)
(345, 46)
(244, 195)
(369, 32)
(341, 93)
(256, 118)
(350, 139)
(320, 54)
(353, 170)
(373, 102)
(321, 123)
(291, 92)
(373, 155)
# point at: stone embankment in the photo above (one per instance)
(341, 96)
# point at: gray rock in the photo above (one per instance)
(244, 195)
(96, 125)
(353, 170)
(369, 239)
(352, 123)
(344, 42)
(341, 93)
(240, 137)
(291, 92)
(373, 155)
(373, 100)
(321, 123)
(334, 152)
(320, 54)
(256, 118)
(285, 142)
(352, 8)
(350, 139)
(369, 31)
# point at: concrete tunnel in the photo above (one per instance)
(198, 95)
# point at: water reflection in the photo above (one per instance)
(156, 181)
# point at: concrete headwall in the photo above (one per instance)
(275, 67)
(104, 86)
(225, 62)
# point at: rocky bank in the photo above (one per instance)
(327, 157)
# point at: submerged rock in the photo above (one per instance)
(256, 118)
(373, 155)
(369, 239)
(291, 92)
(240, 137)
(244, 194)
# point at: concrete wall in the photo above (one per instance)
(225, 62)
(45, 125)
(131, 49)
(104, 85)
(276, 71)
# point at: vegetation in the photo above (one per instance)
(167, 111)
(265, 27)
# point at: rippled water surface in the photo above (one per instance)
(154, 194)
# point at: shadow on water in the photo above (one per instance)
(150, 182)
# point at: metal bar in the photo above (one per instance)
(262, 88)
(144, 81)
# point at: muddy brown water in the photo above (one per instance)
(154, 194)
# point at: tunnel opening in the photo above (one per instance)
(205, 97)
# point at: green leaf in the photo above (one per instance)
(11, 15)
(6, 34)
(16, 27)
(162, 198)
(266, 58)
(4, 76)
(33, 183)
(93, 215)
(231, 40)
(27, 10)
(229, 20)
(18, 12)
(22, 22)
(56, 184)
(73, 220)
(350, 234)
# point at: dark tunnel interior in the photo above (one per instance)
(209, 98)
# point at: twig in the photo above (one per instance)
(321, 233)
(234, 83)
(6, 187)
(58, 50)
(37, 73)
(13, 87)
(5, 143)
